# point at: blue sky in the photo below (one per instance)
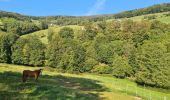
(74, 7)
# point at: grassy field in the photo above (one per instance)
(63, 86)
(159, 16)
(42, 34)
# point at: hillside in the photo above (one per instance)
(79, 20)
(71, 86)
(43, 34)
(162, 17)
(123, 56)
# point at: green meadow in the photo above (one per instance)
(64, 86)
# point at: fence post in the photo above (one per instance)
(144, 91)
(136, 92)
(126, 88)
(150, 96)
(164, 97)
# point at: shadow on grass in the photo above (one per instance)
(49, 88)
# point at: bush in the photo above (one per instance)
(88, 65)
(102, 69)
(66, 32)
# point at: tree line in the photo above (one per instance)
(11, 25)
(77, 20)
(124, 49)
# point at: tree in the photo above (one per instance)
(66, 32)
(11, 25)
(127, 25)
(67, 54)
(113, 26)
(6, 42)
(43, 25)
(50, 34)
(154, 61)
(140, 32)
(18, 50)
(88, 65)
(121, 67)
(104, 53)
(101, 26)
(28, 51)
(90, 31)
(113, 30)
(27, 27)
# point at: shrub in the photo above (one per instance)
(66, 32)
(102, 69)
(88, 65)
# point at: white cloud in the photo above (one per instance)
(97, 6)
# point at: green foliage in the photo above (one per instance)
(104, 52)
(53, 52)
(159, 27)
(6, 42)
(136, 31)
(121, 67)
(11, 25)
(28, 51)
(90, 31)
(154, 59)
(67, 33)
(72, 20)
(150, 17)
(65, 53)
(27, 27)
(43, 25)
(122, 48)
(113, 30)
(88, 65)
(102, 69)
(50, 34)
(118, 47)
(153, 9)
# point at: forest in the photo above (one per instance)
(136, 50)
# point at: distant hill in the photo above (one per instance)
(149, 10)
(77, 20)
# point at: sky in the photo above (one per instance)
(74, 7)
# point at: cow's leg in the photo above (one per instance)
(36, 77)
(23, 78)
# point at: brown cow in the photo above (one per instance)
(28, 73)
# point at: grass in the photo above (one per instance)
(64, 86)
(159, 16)
(42, 34)
(52, 86)
(164, 19)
